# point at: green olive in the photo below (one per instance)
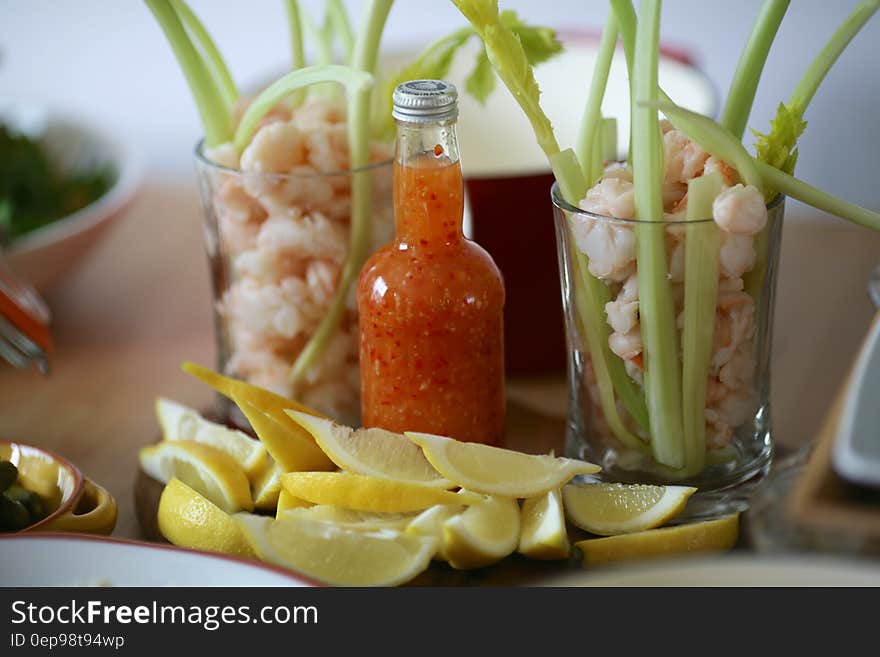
(31, 501)
(13, 515)
(8, 475)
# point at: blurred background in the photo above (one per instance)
(109, 60)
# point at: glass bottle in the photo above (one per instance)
(431, 302)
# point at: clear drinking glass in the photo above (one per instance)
(276, 245)
(738, 443)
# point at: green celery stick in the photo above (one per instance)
(366, 52)
(213, 111)
(590, 130)
(702, 251)
(741, 95)
(656, 308)
(213, 59)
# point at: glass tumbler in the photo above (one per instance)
(722, 413)
(276, 244)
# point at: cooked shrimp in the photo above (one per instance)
(626, 345)
(683, 159)
(313, 236)
(275, 148)
(737, 255)
(611, 247)
(740, 210)
(734, 324)
(610, 197)
(728, 174)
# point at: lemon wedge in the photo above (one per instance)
(179, 422)
(349, 518)
(699, 537)
(497, 471)
(265, 400)
(483, 534)
(430, 522)
(286, 501)
(542, 528)
(206, 469)
(335, 555)
(266, 490)
(363, 493)
(291, 446)
(192, 521)
(610, 509)
(373, 452)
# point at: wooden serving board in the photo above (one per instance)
(823, 501)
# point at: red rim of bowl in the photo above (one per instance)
(260, 565)
(65, 506)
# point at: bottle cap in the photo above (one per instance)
(423, 101)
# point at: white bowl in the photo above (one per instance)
(44, 559)
(45, 256)
(496, 139)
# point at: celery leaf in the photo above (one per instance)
(777, 148)
(481, 82)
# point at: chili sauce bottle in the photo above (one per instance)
(430, 303)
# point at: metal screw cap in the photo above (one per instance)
(422, 101)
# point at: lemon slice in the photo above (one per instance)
(206, 469)
(349, 518)
(338, 556)
(430, 522)
(373, 452)
(267, 489)
(265, 400)
(542, 532)
(610, 509)
(699, 537)
(483, 534)
(497, 471)
(292, 447)
(363, 493)
(192, 521)
(286, 501)
(179, 422)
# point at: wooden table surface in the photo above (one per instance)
(140, 305)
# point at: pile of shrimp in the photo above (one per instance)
(283, 228)
(740, 213)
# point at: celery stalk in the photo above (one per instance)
(366, 52)
(806, 193)
(719, 142)
(595, 330)
(702, 250)
(211, 55)
(590, 121)
(338, 17)
(741, 95)
(811, 80)
(510, 61)
(356, 82)
(294, 28)
(609, 140)
(715, 139)
(213, 111)
(322, 35)
(590, 299)
(656, 308)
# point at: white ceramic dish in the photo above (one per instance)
(78, 560)
(43, 257)
(856, 454)
(484, 131)
(732, 570)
